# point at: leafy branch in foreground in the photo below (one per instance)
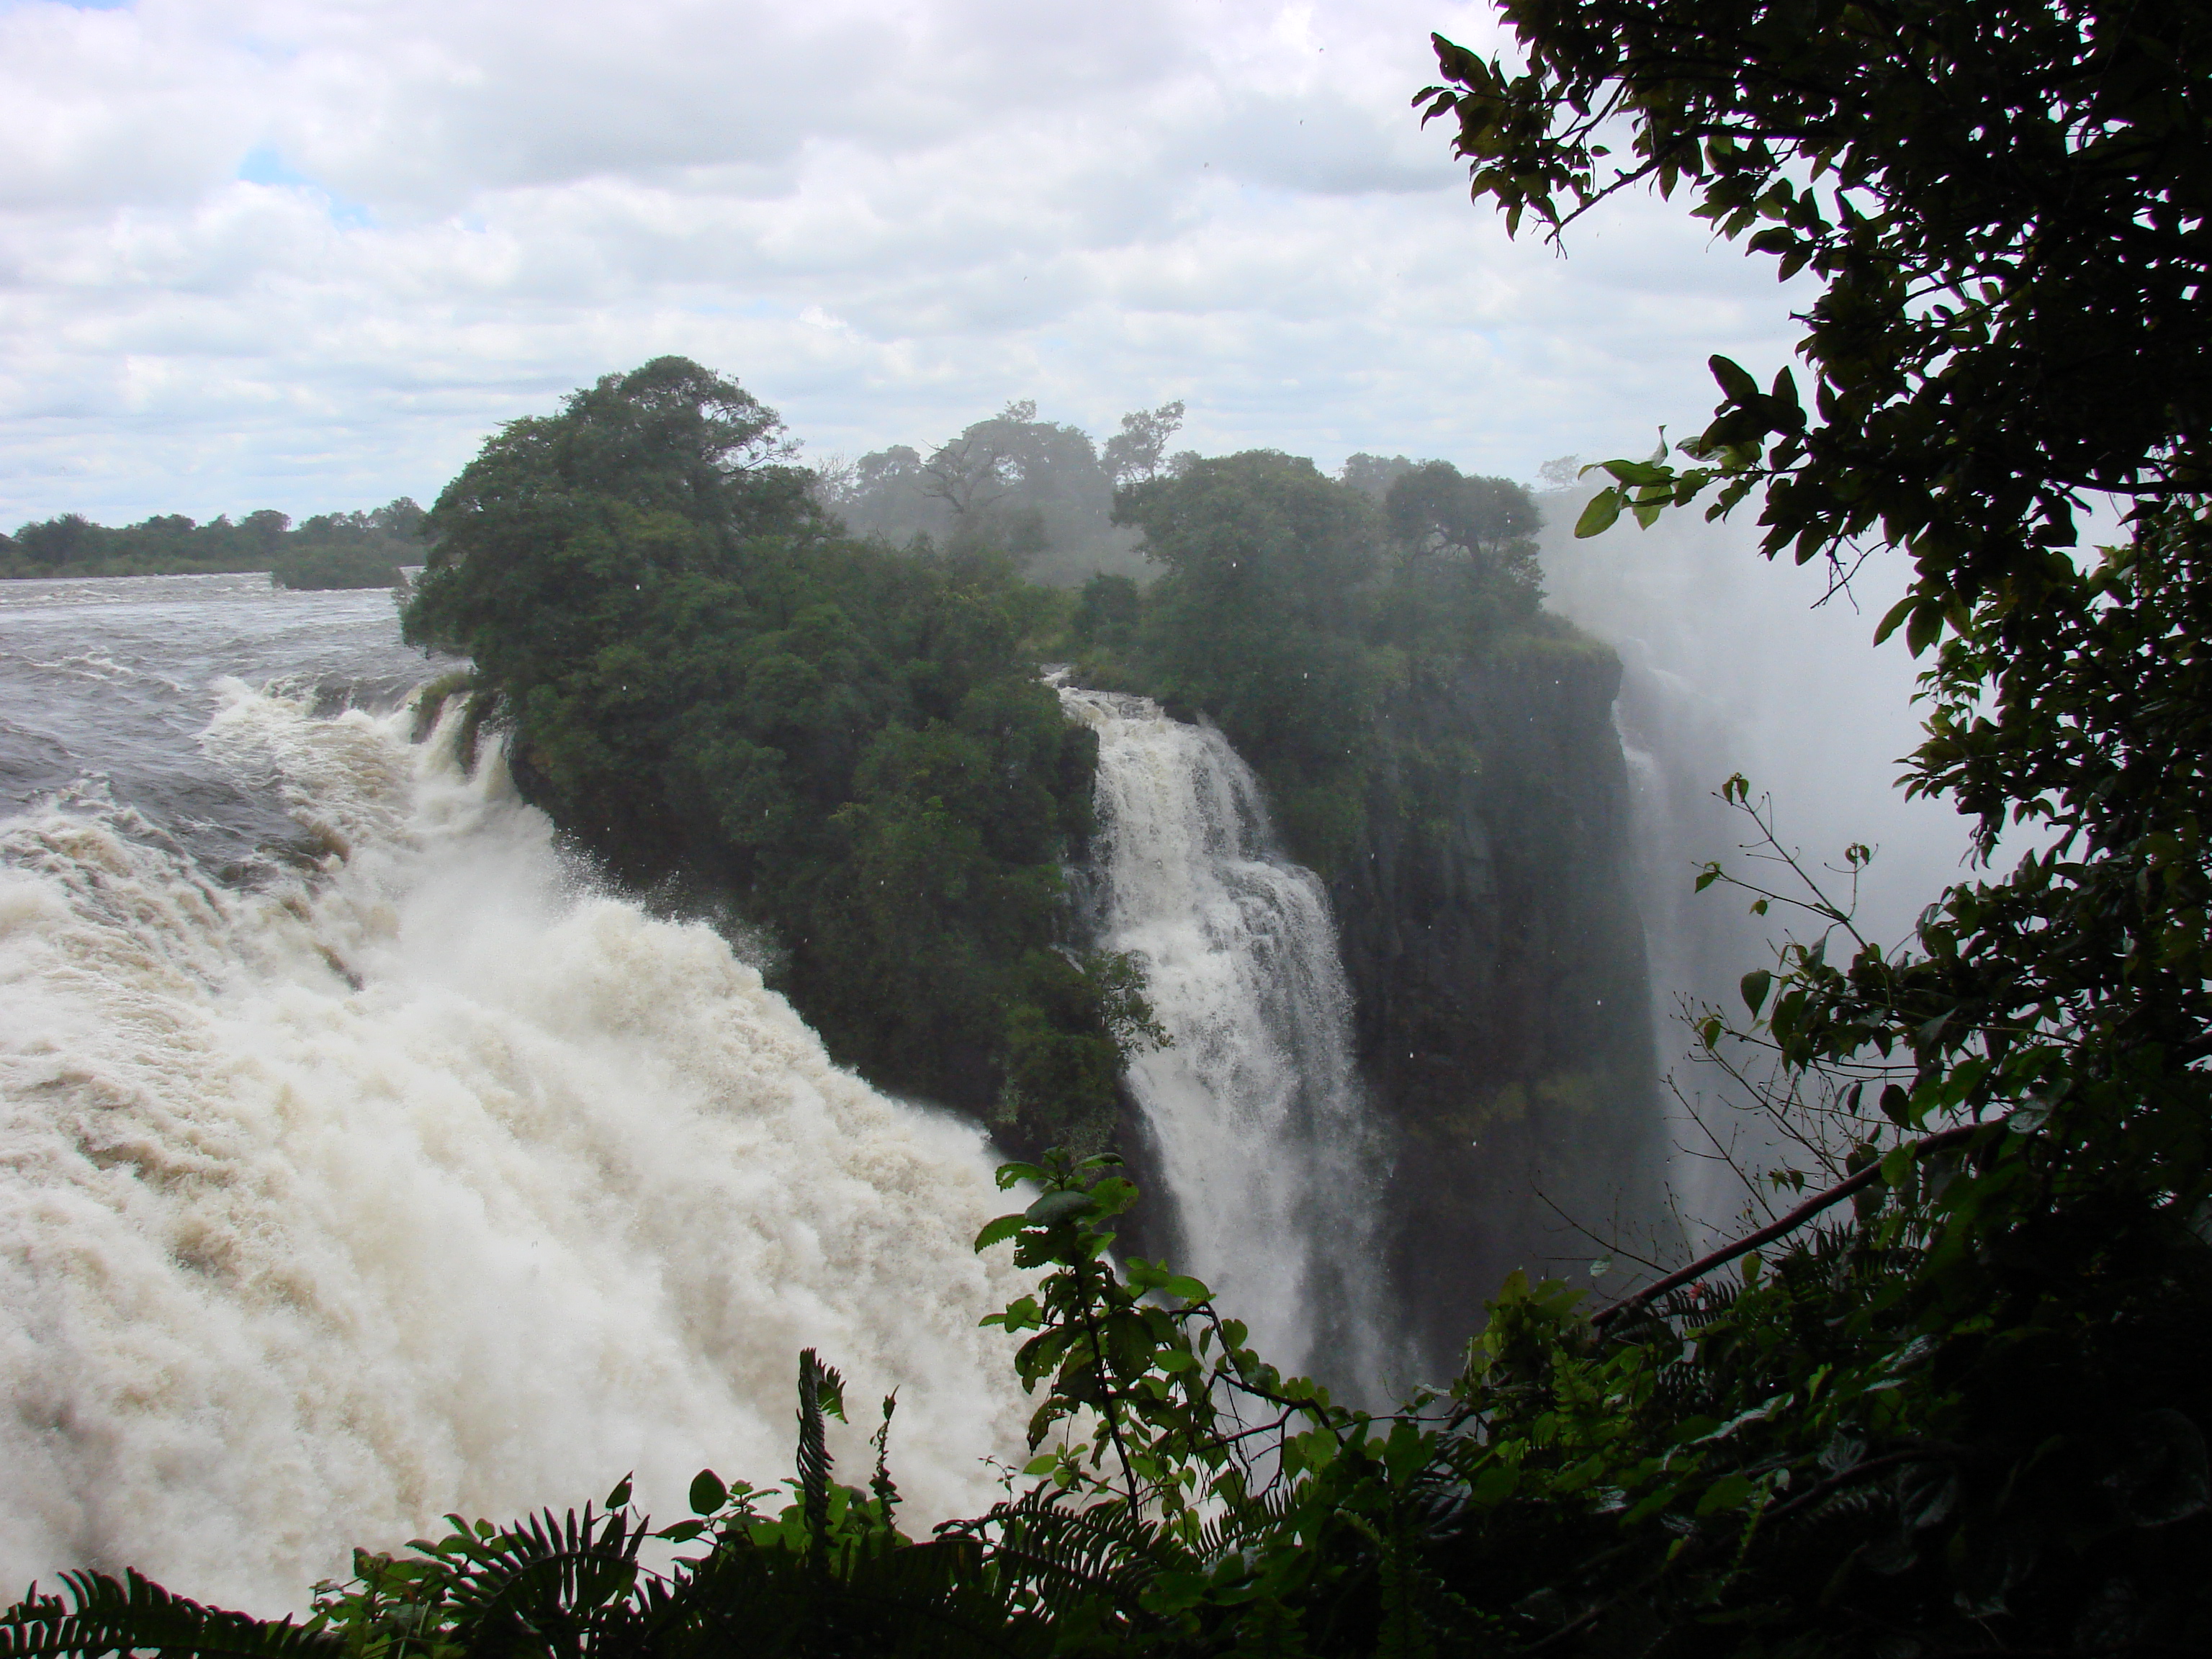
(2003, 204)
(1176, 1404)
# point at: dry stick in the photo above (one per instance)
(1796, 1218)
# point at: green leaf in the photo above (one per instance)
(1896, 613)
(1495, 1485)
(1927, 623)
(997, 1232)
(1729, 1492)
(708, 1492)
(1055, 1207)
(619, 1498)
(1755, 986)
(1598, 515)
(1735, 381)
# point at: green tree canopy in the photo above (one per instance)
(2004, 204)
(718, 694)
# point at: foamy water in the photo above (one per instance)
(430, 1179)
(1270, 1154)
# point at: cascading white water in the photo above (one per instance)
(430, 1179)
(1264, 1138)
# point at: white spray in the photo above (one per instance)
(1265, 1145)
(431, 1181)
(1732, 662)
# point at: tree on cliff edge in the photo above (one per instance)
(714, 692)
(2006, 204)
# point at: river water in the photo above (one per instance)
(362, 1160)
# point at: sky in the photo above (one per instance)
(309, 254)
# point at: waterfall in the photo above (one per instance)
(1269, 1156)
(430, 1178)
(1727, 662)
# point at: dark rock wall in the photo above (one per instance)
(1490, 934)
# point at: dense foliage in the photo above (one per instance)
(331, 549)
(846, 744)
(1295, 610)
(2006, 206)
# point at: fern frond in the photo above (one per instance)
(107, 1616)
(1056, 1555)
(821, 1390)
(567, 1581)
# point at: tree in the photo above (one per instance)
(1258, 619)
(1020, 484)
(1138, 450)
(714, 692)
(2005, 206)
(1560, 472)
(966, 473)
(1433, 509)
(1373, 475)
(2003, 202)
(57, 542)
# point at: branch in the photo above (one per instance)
(1926, 1452)
(1796, 1218)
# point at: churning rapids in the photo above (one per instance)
(401, 1171)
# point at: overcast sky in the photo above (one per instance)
(308, 253)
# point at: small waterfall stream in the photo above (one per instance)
(1270, 1156)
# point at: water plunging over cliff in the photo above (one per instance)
(1266, 1147)
(421, 1175)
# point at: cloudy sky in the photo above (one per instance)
(307, 253)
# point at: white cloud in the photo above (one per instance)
(306, 254)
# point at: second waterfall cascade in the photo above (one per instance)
(1271, 1160)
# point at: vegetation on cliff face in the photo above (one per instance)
(1295, 607)
(716, 692)
(1441, 749)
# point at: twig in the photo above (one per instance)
(1796, 1218)
(1611, 1247)
(1932, 1452)
(1725, 1153)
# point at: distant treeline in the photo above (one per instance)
(1046, 493)
(331, 549)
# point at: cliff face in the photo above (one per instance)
(1490, 931)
